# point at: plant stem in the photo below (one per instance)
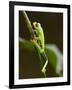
(28, 23)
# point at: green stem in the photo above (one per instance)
(28, 23)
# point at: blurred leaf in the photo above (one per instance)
(26, 44)
(53, 53)
(55, 58)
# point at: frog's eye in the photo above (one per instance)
(36, 25)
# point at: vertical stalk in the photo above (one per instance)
(28, 23)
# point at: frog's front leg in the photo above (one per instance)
(37, 38)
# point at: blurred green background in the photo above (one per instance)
(29, 63)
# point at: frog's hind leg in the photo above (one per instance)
(44, 67)
(45, 61)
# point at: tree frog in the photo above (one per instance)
(39, 43)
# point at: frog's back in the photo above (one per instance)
(42, 37)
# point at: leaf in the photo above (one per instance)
(53, 53)
(26, 44)
(55, 58)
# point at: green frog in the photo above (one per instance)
(38, 40)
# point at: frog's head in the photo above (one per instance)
(36, 25)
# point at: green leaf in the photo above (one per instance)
(55, 58)
(53, 53)
(26, 44)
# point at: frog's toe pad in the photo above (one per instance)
(43, 70)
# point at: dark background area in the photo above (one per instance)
(52, 23)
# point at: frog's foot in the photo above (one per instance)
(44, 67)
(43, 71)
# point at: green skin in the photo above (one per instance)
(38, 28)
